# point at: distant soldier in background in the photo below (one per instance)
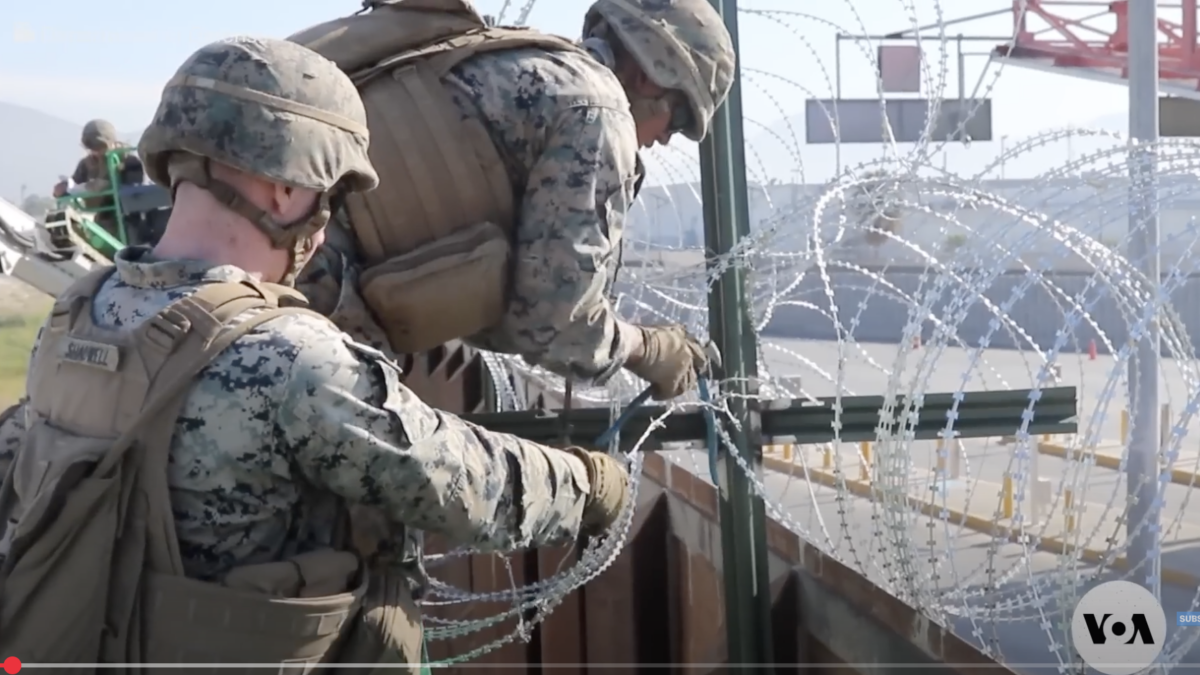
(91, 174)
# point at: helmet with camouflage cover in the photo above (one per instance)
(269, 108)
(681, 45)
(99, 135)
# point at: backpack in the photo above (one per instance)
(90, 569)
(435, 239)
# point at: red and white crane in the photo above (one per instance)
(1093, 42)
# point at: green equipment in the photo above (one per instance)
(136, 214)
(82, 232)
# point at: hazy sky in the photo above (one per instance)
(108, 59)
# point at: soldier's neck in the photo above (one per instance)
(220, 240)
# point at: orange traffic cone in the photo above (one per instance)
(1092, 350)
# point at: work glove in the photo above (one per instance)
(610, 490)
(671, 361)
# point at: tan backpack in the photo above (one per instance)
(90, 570)
(436, 237)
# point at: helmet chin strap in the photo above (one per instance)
(296, 238)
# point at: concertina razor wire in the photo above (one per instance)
(955, 291)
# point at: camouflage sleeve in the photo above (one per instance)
(567, 247)
(356, 430)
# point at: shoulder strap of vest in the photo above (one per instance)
(213, 306)
(210, 320)
(78, 295)
(213, 311)
(444, 55)
(87, 285)
(206, 316)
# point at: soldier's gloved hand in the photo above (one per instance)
(610, 490)
(671, 360)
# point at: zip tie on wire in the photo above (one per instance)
(607, 437)
(710, 423)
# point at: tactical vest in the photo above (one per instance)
(90, 569)
(435, 239)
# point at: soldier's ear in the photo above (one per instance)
(289, 203)
(282, 197)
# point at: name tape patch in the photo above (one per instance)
(92, 354)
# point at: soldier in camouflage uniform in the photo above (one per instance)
(297, 417)
(568, 128)
(91, 174)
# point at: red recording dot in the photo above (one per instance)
(12, 665)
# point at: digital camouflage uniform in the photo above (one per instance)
(297, 415)
(562, 124)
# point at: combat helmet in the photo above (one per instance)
(680, 44)
(270, 108)
(99, 135)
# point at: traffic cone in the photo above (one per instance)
(1092, 350)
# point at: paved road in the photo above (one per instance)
(866, 369)
(988, 459)
(990, 590)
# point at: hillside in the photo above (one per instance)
(38, 148)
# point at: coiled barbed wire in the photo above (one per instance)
(951, 279)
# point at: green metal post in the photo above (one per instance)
(112, 160)
(742, 512)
